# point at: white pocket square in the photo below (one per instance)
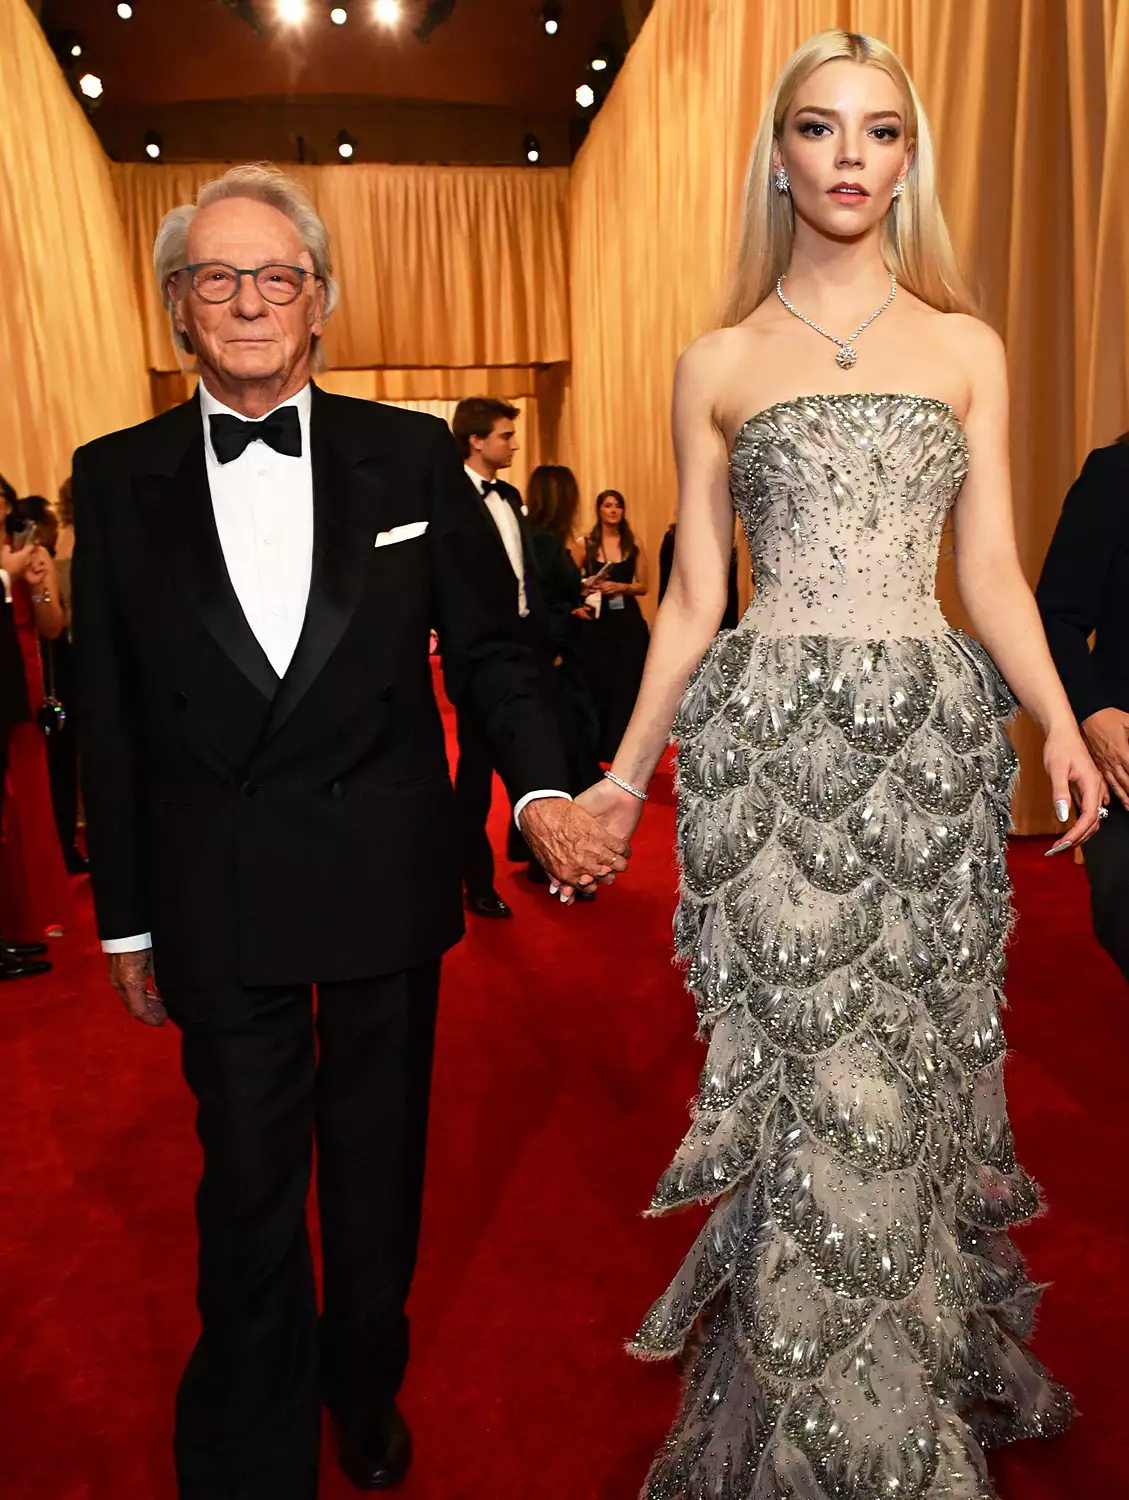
(401, 533)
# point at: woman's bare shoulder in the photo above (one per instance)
(708, 366)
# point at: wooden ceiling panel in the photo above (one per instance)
(490, 52)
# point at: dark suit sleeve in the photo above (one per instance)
(108, 734)
(486, 666)
(1074, 575)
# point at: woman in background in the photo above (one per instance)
(552, 500)
(616, 641)
(36, 894)
(55, 534)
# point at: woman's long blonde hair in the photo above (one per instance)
(915, 238)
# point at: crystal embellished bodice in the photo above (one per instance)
(843, 500)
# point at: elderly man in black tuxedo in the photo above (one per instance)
(1084, 591)
(256, 576)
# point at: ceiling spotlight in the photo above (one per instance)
(532, 148)
(599, 64)
(293, 12)
(153, 145)
(387, 12)
(76, 49)
(339, 15)
(586, 96)
(346, 146)
(551, 18)
(125, 11)
(90, 86)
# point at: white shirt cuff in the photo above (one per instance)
(6, 582)
(135, 944)
(535, 797)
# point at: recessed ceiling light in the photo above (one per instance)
(125, 11)
(153, 146)
(599, 64)
(346, 146)
(532, 148)
(90, 86)
(293, 12)
(387, 12)
(339, 15)
(586, 96)
(76, 49)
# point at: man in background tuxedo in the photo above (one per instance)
(1084, 591)
(485, 431)
(257, 573)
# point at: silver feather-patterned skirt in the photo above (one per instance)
(852, 1316)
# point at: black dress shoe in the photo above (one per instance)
(22, 968)
(379, 1458)
(20, 951)
(489, 904)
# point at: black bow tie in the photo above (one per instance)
(490, 487)
(281, 431)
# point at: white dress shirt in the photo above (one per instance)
(509, 529)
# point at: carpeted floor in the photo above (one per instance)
(566, 1061)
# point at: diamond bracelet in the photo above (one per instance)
(626, 786)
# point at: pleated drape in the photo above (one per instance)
(438, 266)
(1029, 100)
(70, 337)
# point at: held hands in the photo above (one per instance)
(572, 845)
(1107, 735)
(1069, 766)
(131, 974)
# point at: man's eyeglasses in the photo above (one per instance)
(216, 281)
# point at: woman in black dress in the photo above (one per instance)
(616, 640)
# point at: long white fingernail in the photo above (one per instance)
(1062, 809)
(1058, 848)
(553, 889)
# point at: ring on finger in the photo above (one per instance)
(1103, 814)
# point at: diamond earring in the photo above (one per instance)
(899, 187)
(781, 180)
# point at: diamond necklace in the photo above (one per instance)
(847, 356)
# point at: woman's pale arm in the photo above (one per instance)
(999, 601)
(695, 599)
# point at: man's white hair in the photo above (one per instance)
(263, 183)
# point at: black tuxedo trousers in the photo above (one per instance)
(289, 844)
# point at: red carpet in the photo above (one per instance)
(565, 1064)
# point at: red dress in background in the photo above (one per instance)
(36, 893)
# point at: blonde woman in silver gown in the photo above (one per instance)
(853, 1316)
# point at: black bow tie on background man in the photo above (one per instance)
(281, 431)
(490, 487)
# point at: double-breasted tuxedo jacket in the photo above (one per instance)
(294, 830)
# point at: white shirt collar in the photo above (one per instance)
(210, 406)
(478, 479)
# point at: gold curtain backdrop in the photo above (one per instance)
(1029, 101)
(70, 335)
(448, 267)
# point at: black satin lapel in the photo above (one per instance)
(184, 524)
(346, 496)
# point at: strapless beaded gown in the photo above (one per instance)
(853, 1315)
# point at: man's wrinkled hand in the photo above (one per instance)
(131, 974)
(572, 845)
(1107, 736)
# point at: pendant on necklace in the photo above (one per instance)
(846, 358)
